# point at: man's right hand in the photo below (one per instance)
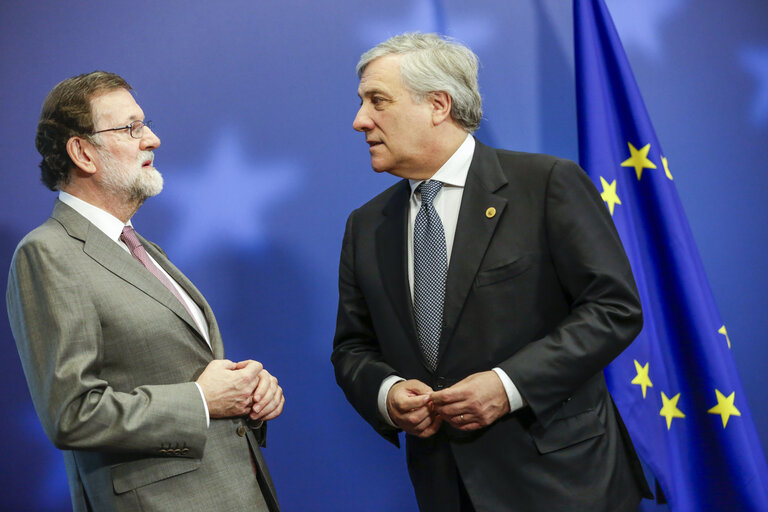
(228, 387)
(409, 408)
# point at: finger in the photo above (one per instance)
(412, 418)
(447, 396)
(277, 411)
(408, 403)
(267, 410)
(265, 382)
(452, 409)
(223, 363)
(433, 427)
(251, 371)
(424, 423)
(269, 402)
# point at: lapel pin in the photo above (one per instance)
(490, 212)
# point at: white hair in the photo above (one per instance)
(432, 63)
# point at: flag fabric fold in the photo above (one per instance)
(676, 386)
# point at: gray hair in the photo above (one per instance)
(432, 63)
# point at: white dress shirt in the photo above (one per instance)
(447, 203)
(113, 228)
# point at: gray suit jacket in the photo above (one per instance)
(111, 356)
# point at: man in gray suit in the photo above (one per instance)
(122, 354)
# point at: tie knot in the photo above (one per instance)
(429, 190)
(128, 236)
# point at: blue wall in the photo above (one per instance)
(254, 103)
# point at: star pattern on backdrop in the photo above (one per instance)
(669, 410)
(725, 407)
(225, 201)
(755, 60)
(428, 16)
(642, 379)
(638, 159)
(641, 24)
(609, 194)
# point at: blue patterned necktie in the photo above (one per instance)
(430, 267)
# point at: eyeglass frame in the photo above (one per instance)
(129, 127)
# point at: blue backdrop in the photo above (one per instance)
(254, 104)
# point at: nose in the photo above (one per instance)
(362, 122)
(149, 140)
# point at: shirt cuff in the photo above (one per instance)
(513, 395)
(205, 406)
(386, 385)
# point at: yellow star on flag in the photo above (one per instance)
(724, 407)
(666, 167)
(670, 410)
(638, 159)
(609, 194)
(642, 378)
(725, 333)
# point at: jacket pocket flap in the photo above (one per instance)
(135, 474)
(567, 431)
(504, 271)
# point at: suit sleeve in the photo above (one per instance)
(357, 359)
(58, 334)
(605, 314)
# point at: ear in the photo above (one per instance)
(81, 151)
(441, 103)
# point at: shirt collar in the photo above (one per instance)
(106, 222)
(454, 171)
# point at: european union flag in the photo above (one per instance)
(676, 386)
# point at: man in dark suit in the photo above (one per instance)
(122, 354)
(480, 299)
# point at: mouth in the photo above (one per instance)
(147, 163)
(373, 143)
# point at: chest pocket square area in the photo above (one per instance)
(505, 270)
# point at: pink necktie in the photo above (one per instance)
(128, 236)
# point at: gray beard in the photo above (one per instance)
(131, 185)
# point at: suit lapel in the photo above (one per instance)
(474, 232)
(111, 256)
(392, 257)
(213, 328)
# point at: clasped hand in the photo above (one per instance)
(241, 389)
(470, 404)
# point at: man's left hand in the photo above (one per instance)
(268, 398)
(472, 403)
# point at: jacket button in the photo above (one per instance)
(241, 430)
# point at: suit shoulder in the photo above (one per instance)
(50, 231)
(533, 162)
(381, 200)
(49, 237)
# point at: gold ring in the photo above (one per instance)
(461, 416)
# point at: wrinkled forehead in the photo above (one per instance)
(381, 74)
(114, 107)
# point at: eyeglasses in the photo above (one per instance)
(135, 129)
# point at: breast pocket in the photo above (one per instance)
(505, 270)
